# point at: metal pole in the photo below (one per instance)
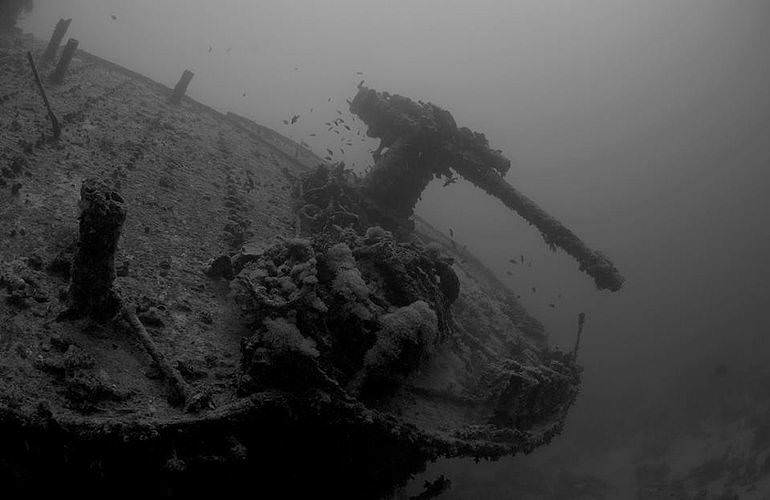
(53, 45)
(64, 61)
(181, 87)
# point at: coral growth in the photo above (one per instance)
(342, 306)
(406, 339)
(329, 196)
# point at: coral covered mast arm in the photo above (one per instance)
(555, 234)
(424, 141)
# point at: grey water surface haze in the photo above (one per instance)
(643, 126)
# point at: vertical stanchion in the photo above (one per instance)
(53, 44)
(64, 61)
(181, 87)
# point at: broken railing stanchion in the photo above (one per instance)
(92, 291)
(581, 322)
(53, 45)
(54, 121)
(64, 61)
(183, 392)
(102, 215)
(181, 87)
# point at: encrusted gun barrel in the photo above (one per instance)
(423, 141)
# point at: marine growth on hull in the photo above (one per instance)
(184, 298)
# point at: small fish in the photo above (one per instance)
(329, 100)
(312, 135)
(210, 48)
(359, 73)
(342, 151)
(311, 110)
(285, 122)
(522, 258)
(534, 289)
(360, 84)
(294, 119)
(512, 261)
(552, 306)
(339, 112)
(346, 127)
(296, 68)
(244, 94)
(114, 17)
(451, 232)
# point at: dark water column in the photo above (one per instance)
(53, 45)
(102, 215)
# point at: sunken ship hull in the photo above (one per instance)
(274, 328)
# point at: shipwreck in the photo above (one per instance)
(191, 302)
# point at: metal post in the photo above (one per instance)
(181, 87)
(64, 61)
(53, 45)
(102, 214)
